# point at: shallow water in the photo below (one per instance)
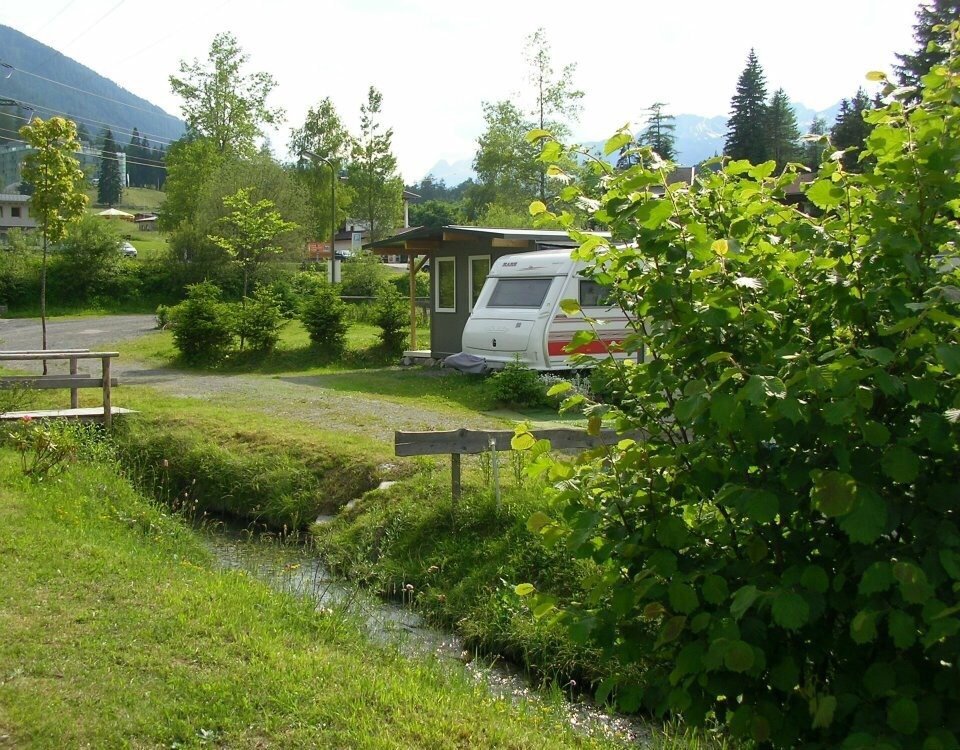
(294, 569)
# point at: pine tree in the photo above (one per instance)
(109, 185)
(746, 137)
(659, 133)
(914, 65)
(850, 129)
(783, 135)
(135, 168)
(812, 150)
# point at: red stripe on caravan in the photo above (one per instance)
(558, 348)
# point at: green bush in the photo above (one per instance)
(782, 550)
(202, 325)
(402, 284)
(86, 264)
(258, 321)
(324, 317)
(518, 385)
(392, 316)
(363, 276)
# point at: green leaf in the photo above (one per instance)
(863, 628)
(875, 433)
(537, 521)
(876, 578)
(524, 589)
(536, 134)
(868, 520)
(903, 716)
(569, 306)
(683, 598)
(714, 589)
(717, 357)
(761, 506)
(825, 195)
(914, 587)
(785, 675)
(671, 630)
(901, 464)
(790, 610)
(876, 75)
(764, 170)
(522, 441)
(654, 213)
(950, 561)
(825, 707)
(739, 656)
(949, 356)
(720, 247)
(672, 532)
(616, 142)
(815, 579)
(902, 628)
(880, 679)
(542, 610)
(537, 208)
(833, 493)
(557, 388)
(743, 598)
(878, 354)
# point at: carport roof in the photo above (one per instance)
(424, 239)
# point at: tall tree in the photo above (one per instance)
(109, 183)
(813, 149)
(58, 197)
(557, 100)
(324, 134)
(508, 173)
(746, 128)
(251, 232)
(135, 160)
(659, 132)
(850, 129)
(783, 135)
(221, 102)
(932, 40)
(373, 172)
(191, 162)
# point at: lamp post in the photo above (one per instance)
(332, 269)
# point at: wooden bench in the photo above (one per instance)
(72, 381)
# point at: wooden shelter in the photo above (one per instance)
(459, 259)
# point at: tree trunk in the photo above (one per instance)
(43, 301)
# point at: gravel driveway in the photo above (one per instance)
(300, 398)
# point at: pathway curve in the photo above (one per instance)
(298, 398)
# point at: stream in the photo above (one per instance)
(294, 569)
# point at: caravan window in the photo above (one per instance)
(593, 294)
(519, 292)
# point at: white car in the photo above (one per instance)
(128, 250)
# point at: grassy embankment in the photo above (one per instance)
(119, 633)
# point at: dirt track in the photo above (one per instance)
(300, 398)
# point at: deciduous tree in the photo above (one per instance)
(222, 102)
(58, 197)
(508, 173)
(746, 128)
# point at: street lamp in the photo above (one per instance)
(333, 269)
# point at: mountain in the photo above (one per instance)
(452, 174)
(698, 138)
(40, 78)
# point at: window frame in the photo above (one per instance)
(581, 281)
(436, 265)
(15, 212)
(470, 259)
(520, 279)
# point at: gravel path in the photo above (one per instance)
(298, 398)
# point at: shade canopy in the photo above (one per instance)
(115, 213)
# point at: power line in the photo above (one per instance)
(164, 38)
(54, 18)
(84, 32)
(160, 140)
(88, 93)
(137, 162)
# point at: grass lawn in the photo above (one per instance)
(132, 200)
(119, 633)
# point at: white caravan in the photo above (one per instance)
(518, 314)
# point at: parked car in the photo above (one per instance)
(128, 250)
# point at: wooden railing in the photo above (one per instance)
(72, 381)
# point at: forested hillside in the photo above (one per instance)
(33, 62)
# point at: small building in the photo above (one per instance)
(146, 222)
(459, 260)
(15, 213)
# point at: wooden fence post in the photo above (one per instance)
(107, 406)
(74, 393)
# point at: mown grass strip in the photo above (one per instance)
(117, 632)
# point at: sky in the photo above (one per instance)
(436, 61)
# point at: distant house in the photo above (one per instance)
(146, 222)
(460, 258)
(15, 213)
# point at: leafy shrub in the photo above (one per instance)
(782, 550)
(46, 449)
(402, 284)
(258, 321)
(392, 316)
(324, 317)
(363, 276)
(163, 315)
(202, 326)
(286, 296)
(87, 263)
(518, 385)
